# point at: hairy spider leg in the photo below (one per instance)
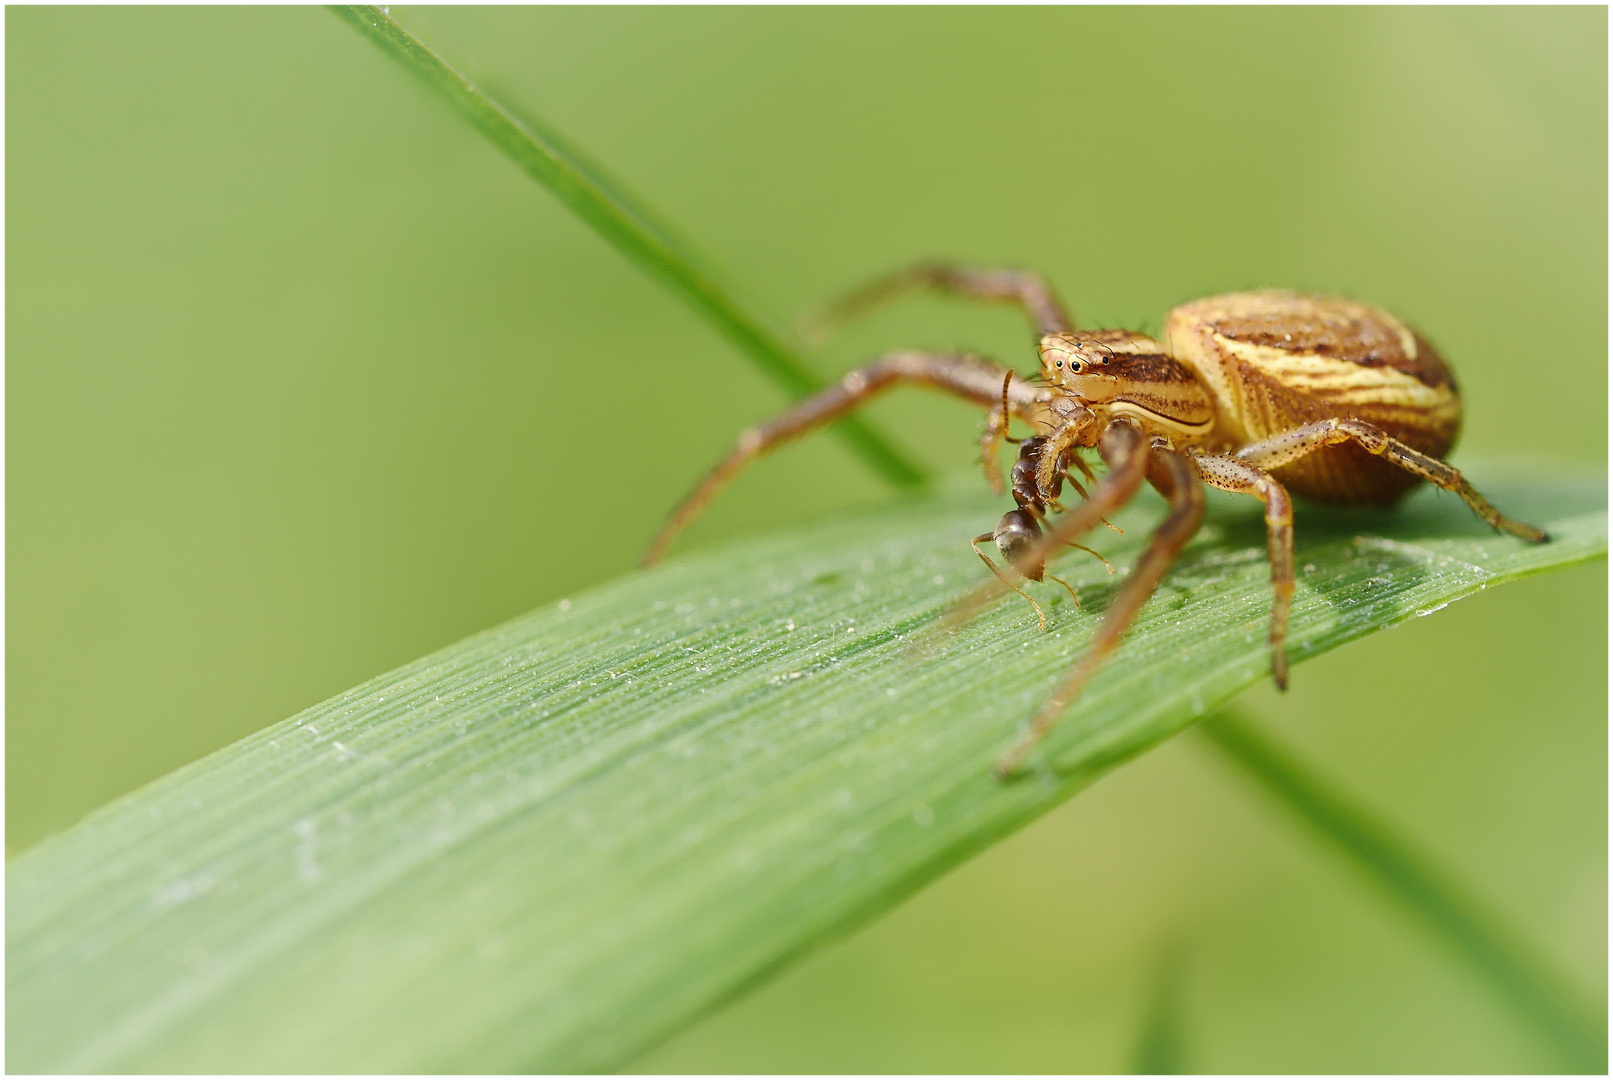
(964, 376)
(1023, 288)
(992, 439)
(1229, 473)
(1291, 445)
(1175, 478)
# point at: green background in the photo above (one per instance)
(304, 380)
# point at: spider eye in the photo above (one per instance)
(1058, 363)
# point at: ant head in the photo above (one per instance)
(1016, 535)
(1080, 364)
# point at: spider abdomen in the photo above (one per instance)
(1273, 361)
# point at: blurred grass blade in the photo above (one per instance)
(587, 190)
(552, 845)
(1160, 1049)
(1523, 982)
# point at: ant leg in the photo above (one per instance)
(1023, 288)
(1067, 586)
(1176, 479)
(1231, 474)
(1040, 618)
(1094, 554)
(963, 376)
(1086, 471)
(1288, 446)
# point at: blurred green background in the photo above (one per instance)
(305, 380)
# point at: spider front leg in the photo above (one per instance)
(1023, 288)
(1291, 445)
(1229, 473)
(1175, 478)
(991, 440)
(964, 376)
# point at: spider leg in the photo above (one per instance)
(1023, 288)
(1054, 462)
(1229, 473)
(1086, 470)
(963, 376)
(991, 440)
(1291, 445)
(1177, 480)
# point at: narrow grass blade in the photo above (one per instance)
(1523, 982)
(1162, 1046)
(551, 845)
(586, 189)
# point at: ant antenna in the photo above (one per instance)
(1008, 377)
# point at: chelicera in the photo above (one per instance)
(1259, 393)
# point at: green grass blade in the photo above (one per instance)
(551, 845)
(1163, 1043)
(1522, 981)
(588, 191)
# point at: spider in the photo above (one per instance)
(1259, 393)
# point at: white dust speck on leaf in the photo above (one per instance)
(923, 815)
(177, 892)
(564, 605)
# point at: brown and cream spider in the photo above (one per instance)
(1260, 393)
